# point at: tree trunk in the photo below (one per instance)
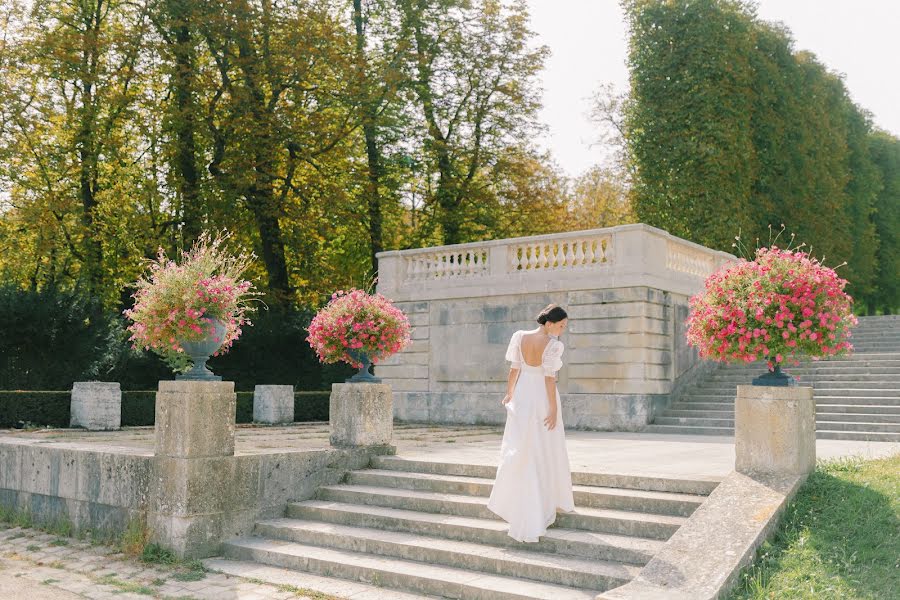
(184, 125)
(373, 154)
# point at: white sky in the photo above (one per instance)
(587, 38)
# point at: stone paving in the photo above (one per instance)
(651, 454)
(38, 566)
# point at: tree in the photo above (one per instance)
(474, 85)
(601, 199)
(885, 152)
(689, 130)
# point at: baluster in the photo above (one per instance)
(570, 255)
(589, 256)
(532, 258)
(512, 255)
(579, 253)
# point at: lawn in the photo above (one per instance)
(839, 538)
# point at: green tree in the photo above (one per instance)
(474, 85)
(885, 152)
(689, 121)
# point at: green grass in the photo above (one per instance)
(127, 587)
(839, 539)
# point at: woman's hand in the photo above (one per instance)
(550, 420)
(506, 399)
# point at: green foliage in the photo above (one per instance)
(689, 128)
(53, 337)
(52, 409)
(20, 408)
(885, 151)
(837, 540)
(275, 351)
(155, 554)
(730, 130)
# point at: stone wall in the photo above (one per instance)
(626, 352)
(105, 490)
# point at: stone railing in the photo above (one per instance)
(628, 255)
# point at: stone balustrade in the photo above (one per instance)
(594, 259)
(626, 289)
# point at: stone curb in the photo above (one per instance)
(702, 560)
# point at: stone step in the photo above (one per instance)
(821, 384)
(292, 579)
(858, 417)
(823, 399)
(666, 419)
(666, 503)
(712, 406)
(397, 573)
(720, 399)
(858, 392)
(821, 434)
(688, 430)
(868, 359)
(882, 409)
(621, 522)
(838, 412)
(612, 480)
(571, 542)
(822, 369)
(549, 568)
(735, 378)
(867, 426)
(868, 436)
(679, 411)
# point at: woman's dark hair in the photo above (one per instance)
(553, 313)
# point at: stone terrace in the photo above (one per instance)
(594, 451)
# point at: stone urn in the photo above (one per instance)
(775, 378)
(363, 376)
(201, 350)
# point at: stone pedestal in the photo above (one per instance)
(194, 467)
(775, 430)
(361, 414)
(96, 405)
(273, 404)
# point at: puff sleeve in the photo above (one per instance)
(514, 351)
(553, 358)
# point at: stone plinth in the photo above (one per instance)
(196, 477)
(361, 414)
(273, 404)
(195, 419)
(96, 405)
(775, 430)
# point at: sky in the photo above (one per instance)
(588, 44)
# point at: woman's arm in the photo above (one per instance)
(550, 384)
(510, 385)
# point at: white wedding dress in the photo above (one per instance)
(534, 477)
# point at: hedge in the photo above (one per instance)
(51, 408)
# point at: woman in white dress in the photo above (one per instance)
(534, 477)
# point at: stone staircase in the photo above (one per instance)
(857, 397)
(422, 529)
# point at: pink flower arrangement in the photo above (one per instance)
(177, 303)
(353, 323)
(782, 305)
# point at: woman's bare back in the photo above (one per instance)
(533, 346)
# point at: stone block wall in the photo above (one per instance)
(626, 290)
(623, 357)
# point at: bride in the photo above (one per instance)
(533, 479)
